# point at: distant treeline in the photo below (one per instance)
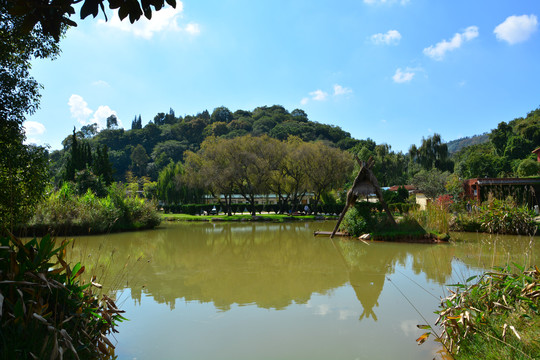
(145, 154)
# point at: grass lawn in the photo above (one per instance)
(242, 217)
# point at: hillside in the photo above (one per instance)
(167, 137)
(458, 144)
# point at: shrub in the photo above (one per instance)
(505, 217)
(64, 212)
(46, 312)
(363, 218)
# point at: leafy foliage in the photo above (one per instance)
(65, 212)
(497, 217)
(431, 183)
(496, 318)
(363, 218)
(46, 312)
(55, 16)
(23, 168)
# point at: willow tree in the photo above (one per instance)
(211, 169)
(327, 168)
(252, 161)
(289, 179)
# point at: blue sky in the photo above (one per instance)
(391, 70)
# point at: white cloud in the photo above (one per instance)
(391, 37)
(33, 128)
(193, 28)
(340, 90)
(83, 114)
(101, 115)
(304, 101)
(318, 95)
(347, 314)
(79, 109)
(164, 20)
(323, 310)
(438, 51)
(101, 83)
(403, 76)
(516, 29)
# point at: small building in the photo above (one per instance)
(409, 188)
(422, 200)
(524, 190)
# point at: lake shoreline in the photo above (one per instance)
(246, 218)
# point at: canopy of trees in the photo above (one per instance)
(250, 166)
(23, 168)
(222, 144)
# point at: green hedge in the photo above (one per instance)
(198, 209)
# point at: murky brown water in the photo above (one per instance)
(274, 291)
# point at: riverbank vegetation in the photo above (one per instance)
(498, 317)
(269, 150)
(65, 212)
(496, 217)
(46, 310)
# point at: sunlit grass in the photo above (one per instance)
(496, 318)
(240, 217)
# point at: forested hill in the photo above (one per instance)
(145, 151)
(167, 136)
(458, 144)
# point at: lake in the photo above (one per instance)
(274, 291)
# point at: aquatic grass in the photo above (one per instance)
(435, 218)
(498, 317)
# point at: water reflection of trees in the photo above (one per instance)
(368, 266)
(270, 265)
(485, 251)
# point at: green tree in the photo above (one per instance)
(89, 131)
(252, 163)
(221, 114)
(102, 166)
(80, 157)
(139, 160)
(517, 148)
(528, 167)
(112, 122)
(454, 186)
(23, 168)
(173, 186)
(479, 161)
(433, 153)
(327, 168)
(136, 123)
(499, 137)
(167, 151)
(431, 182)
(211, 170)
(23, 179)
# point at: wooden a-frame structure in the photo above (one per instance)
(364, 184)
